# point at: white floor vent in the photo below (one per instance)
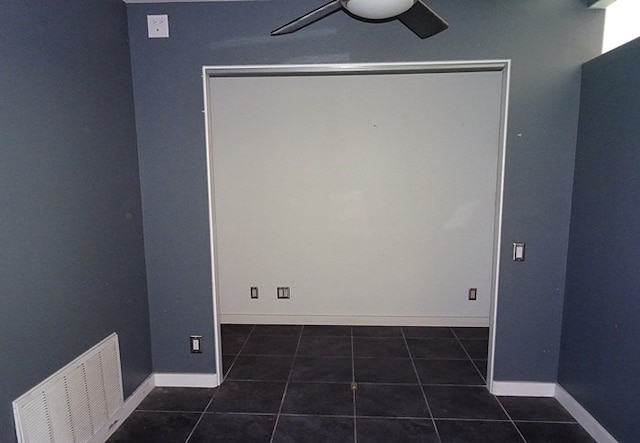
(74, 403)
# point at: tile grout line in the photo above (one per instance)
(354, 386)
(424, 394)
(468, 355)
(496, 398)
(511, 420)
(201, 416)
(221, 381)
(244, 343)
(286, 386)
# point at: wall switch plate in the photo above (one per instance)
(195, 344)
(473, 293)
(284, 292)
(158, 26)
(254, 292)
(518, 251)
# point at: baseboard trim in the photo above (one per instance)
(364, 320)
(536, 389)
(160, 380)
(523, 389)
(130, 404)
(582, 416)
(186, 380)
(155, 379)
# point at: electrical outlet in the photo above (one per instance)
(195, 344)
(473, 293)
(158, 26)
(284, 292)
(254, 292)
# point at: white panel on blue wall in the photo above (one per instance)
(368, 195)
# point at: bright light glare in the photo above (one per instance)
(621, 24)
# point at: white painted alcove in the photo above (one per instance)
(374, 191)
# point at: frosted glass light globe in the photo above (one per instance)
(377, 9)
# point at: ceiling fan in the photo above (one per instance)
(414, 14)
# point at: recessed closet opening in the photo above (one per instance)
(361, 194)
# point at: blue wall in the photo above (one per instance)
(600, 362)
(547, 41)
(72, 267)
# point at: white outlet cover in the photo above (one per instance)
(158, 26)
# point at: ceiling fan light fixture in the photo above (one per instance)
(377, 9)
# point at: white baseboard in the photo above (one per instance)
(523, 389)
(186, 380)
(364, 320)
(535, 389)
(582, 416)
(160, 380)
(130, 404)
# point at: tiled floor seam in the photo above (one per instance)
(286, 386)
(202, 414)
(510, 419)
(494, 420)
(468, 355)
(424, 394)
(353, 390)
(237, 354)
(485, 380)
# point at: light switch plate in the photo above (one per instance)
(158, 26)
(195, 344)
(518, 251)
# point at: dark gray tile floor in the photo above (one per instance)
(349, 384)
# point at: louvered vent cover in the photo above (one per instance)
(74, 403)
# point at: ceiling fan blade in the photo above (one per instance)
(422, 20)
(309, 18)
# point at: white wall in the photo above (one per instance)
(372, 196)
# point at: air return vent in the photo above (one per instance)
(74, 403)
